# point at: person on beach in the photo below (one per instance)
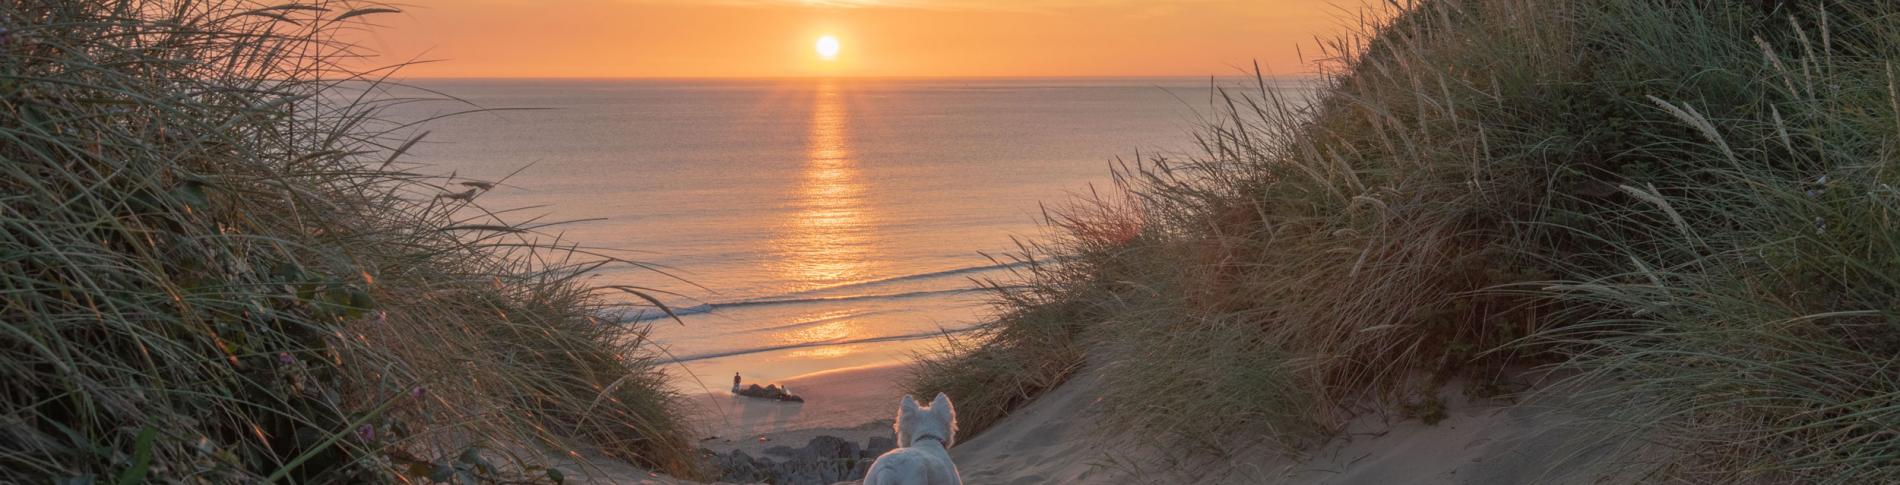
(735, 383)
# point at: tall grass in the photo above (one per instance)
(1686, 203)
(215, 266)
(1032, 346)
(1756, 316)
(1320, 252)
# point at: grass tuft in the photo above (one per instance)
(215, 266)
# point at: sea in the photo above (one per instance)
(797, 226)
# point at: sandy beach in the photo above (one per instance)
(1059, 438)
(839, 402)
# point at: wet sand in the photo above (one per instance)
(847, 403)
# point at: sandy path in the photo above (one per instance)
(1056, 440)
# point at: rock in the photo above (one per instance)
(878, 446)
(831, 447)
(823, 460)
(740, 467)
(769, 392)
(784, 451)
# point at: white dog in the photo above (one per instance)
(924, 437)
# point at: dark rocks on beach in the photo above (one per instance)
(878, 445)
(769, 392)
(738, 466)
(823, 460)
(831, 446)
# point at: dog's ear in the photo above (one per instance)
(942, 405)
(948, 414)
(906, 414)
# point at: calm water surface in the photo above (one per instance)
(823, 223)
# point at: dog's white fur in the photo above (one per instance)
(924, 438)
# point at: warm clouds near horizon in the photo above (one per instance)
(898, 38)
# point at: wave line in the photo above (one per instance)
(825, 343)
(641, 314)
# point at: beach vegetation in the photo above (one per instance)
(1685, 209)
(217, 266)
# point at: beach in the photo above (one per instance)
(1061, 438)
(838, 402)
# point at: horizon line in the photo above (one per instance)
(855, 77)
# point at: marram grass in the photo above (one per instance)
(215, 266)
(1686, 207)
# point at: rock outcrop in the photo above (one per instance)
(825, 459)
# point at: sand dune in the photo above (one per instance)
(1057, 440)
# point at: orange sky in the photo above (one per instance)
(774, 38)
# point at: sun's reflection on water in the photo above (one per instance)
(827, 240)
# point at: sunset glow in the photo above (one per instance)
(887, 38)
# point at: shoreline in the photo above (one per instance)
(843, 402)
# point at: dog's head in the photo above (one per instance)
(939, 420)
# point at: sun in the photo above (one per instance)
(828, 47)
